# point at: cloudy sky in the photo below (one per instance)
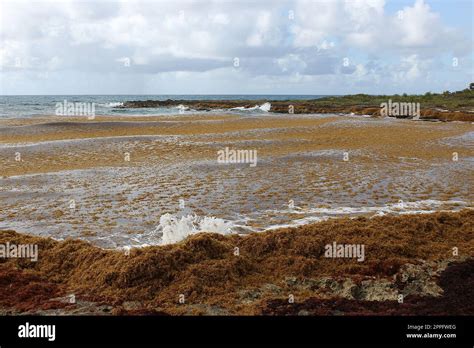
(235, 47)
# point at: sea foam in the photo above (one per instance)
(174, 229)
(113, 104)
(264, 107)
(182, 107)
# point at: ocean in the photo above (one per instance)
(19, 106)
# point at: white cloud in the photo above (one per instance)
(204, 36)
(419, 26)
(410, 68)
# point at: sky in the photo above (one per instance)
(235, 47)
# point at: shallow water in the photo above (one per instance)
(117, 206)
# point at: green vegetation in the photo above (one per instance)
(460, 100)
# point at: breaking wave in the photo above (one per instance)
(264, 107)
(182, 107)
(174, 229)
(113, 104)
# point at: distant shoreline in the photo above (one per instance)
(448, 106)
(456, 106)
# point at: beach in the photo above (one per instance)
(141, 189)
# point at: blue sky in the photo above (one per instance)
(235, 47)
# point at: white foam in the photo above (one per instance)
(264, 107)
(113, 104)
(174, 229)
(298, 222)
(400, 206)
(182, 107)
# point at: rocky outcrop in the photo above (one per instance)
(454, 297)
(301, 107)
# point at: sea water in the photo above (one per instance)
(19, 106)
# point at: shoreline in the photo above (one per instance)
(456, 106)
(411, 255)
